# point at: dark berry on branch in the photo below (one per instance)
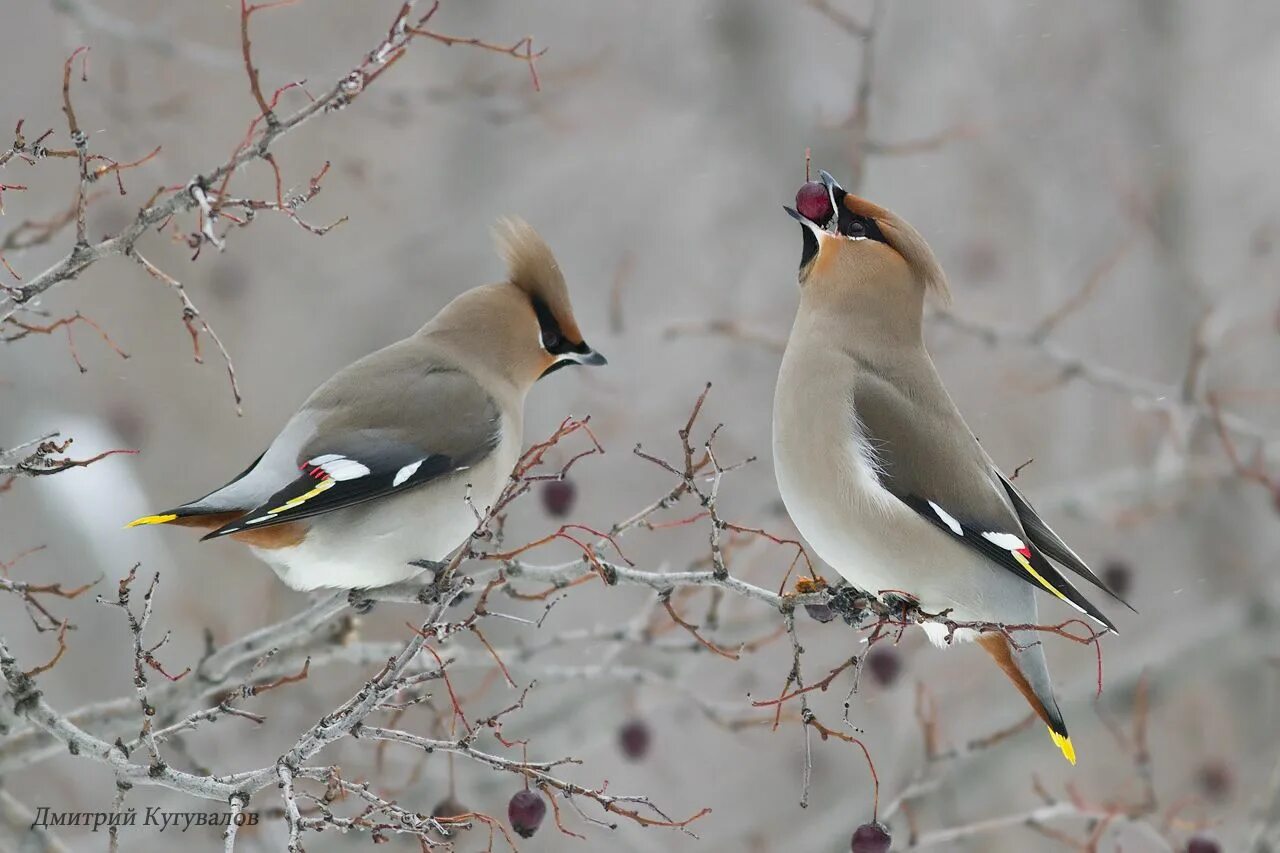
(871, 838)
(884, 664)
(449, 807)
(558, 497)
(526, 811)
(633, 738)
(820, 612)
(1118, 577)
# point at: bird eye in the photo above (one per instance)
(856, 229)
(550, 341)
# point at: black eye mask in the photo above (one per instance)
(553, 340)
(851, 224)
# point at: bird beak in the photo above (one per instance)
(590, 358)
(837, 194)
(814, 227)
(586, 356)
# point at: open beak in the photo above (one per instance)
(837, 194)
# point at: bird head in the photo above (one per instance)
(851, 244)
(520, 329)
(533, 270)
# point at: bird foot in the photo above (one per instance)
(853, 605)
(358, 599)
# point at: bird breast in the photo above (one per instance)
(826, 469)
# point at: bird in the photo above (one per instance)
(382, 471)
(878, 469)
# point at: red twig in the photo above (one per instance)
(810, 720)
(258, 689)
(255, 86)
(65, 324)
(818, 685)
(475, 629)
(453, 697)
(62, 649)
(693, 629)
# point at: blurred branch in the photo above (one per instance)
(275, 656)
(1265, 836)
(43, 456)
(18, 830)
(206, 193)
(1143, 392)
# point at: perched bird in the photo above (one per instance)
(876, 466)
(369, 482)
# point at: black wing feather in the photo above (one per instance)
(387, 459)
(343, 493)
(1053, 580)
(1043, 537)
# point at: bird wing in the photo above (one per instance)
(926, 456)
(1049, 542)
(388, 427)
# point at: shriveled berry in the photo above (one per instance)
(871, 838)
(820, 612)
(1118, 577)
(526, 811)
(814, 202)
(1203, 844)
(558, 497)
(884, 664)
(449, 807)
(1216, 779)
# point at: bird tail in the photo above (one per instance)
(1027, 668)
(186, 517)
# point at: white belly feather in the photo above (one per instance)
(829, 482)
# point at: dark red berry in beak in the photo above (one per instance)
(1201, 844)
(871, 838)
(634, 739)
(558, 497)
(526, 811)
(814, 202)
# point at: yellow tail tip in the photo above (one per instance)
(152, 519)
(1063, 743)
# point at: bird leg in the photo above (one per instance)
(854, 606)
(359, 601)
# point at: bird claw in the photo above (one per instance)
(359, 601)
(852, 605)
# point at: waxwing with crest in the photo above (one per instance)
(876, 466)
(377, 476)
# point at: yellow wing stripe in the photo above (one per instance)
(1064, 743)
(1026, 564)
(152, 519)
(322, 486)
